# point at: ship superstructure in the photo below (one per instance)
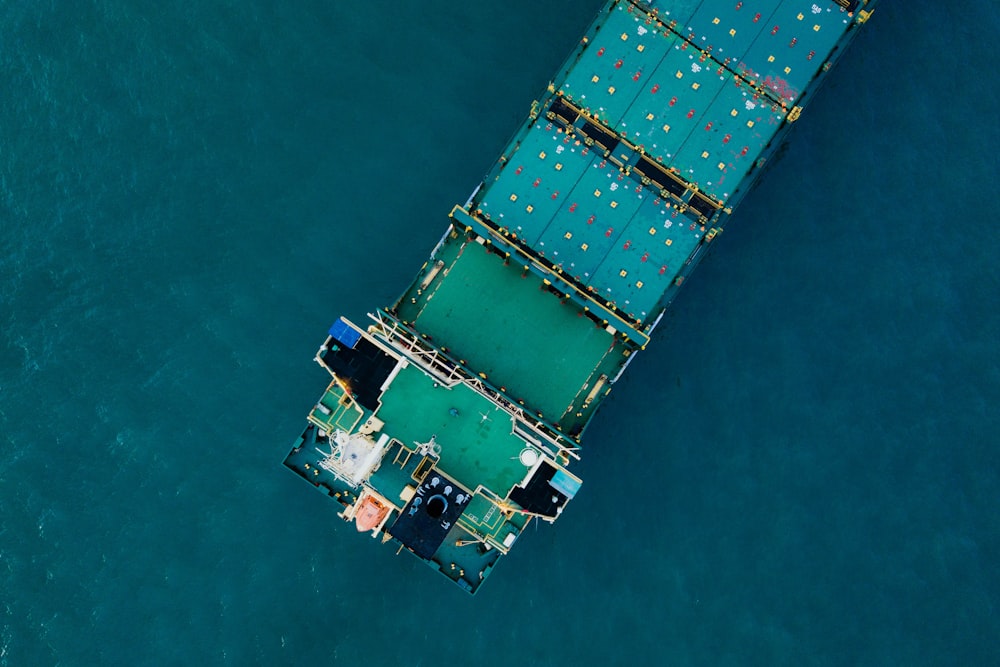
(453, 418)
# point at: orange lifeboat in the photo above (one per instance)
(369, 514)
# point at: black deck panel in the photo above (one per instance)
(365, 365)
(564, 110)
(655, 173)
(600, 135)
(702, 205)
(538, 496)
(430, 514)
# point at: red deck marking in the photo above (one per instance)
(691, 113)
(655, 88)
(673, 101)
(644, 257)
(600, 51)
(590, 220)
(780, 86)
(756, 17)
(726, 138)
(635, 77)
(618, 65)
(795, 40)
(738, 6)
(663, 269)
(537, 181)
(555, 194)
(608, 233)
(709, 126)
(810, 56)
(519, 170)
(774, 30)
(628, 244)
(572, 207)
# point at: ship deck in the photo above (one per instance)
(501, 320)
(556, 270)
(462, 555)
(782, 45)
(686, 110)
(577, 209)
(654, 126)
(476, 438)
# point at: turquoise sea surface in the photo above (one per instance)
(802, 470)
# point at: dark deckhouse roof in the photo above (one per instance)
(430, 514)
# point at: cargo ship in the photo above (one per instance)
(453, 417)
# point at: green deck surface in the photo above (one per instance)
(474, 450)
(461, 557)
(305, 460)
(506, 326)
(341, 416)
(483, 517)
(395, 473)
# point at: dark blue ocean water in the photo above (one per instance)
(803, 470)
